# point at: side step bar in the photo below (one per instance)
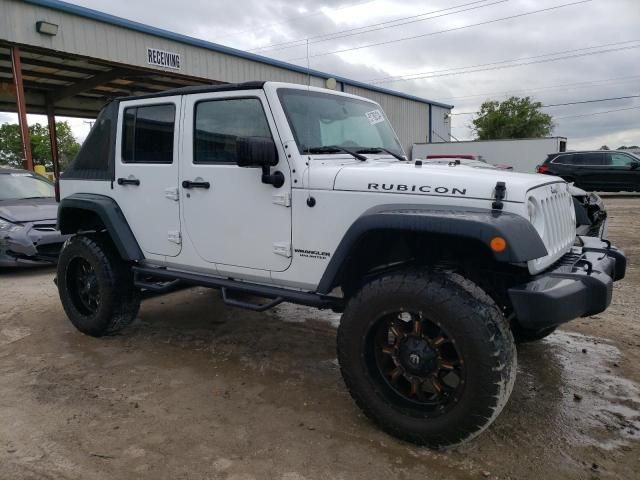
(276, 294)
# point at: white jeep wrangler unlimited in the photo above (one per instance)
(304, 195)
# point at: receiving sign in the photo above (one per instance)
(162, 58)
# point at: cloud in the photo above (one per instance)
(249, 24)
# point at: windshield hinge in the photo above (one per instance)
(283, 199)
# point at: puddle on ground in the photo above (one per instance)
(606, 405)
(290, 313)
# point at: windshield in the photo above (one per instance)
(326, 120)
(15, 186)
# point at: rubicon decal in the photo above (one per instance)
(393, 187)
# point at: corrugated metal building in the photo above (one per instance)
(80, 57)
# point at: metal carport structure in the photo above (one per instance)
(58, 58)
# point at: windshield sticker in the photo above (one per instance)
(374, 116)
(20, 174)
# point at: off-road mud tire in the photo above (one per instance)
(119, 299)
(481, 333)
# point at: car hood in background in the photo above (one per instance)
(29, 210)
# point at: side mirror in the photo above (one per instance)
(260, 152)
(634, 165)
(256, 152)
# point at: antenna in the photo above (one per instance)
(308, 67)
(310, 200)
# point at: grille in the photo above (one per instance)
(45, 227)
(555, 206)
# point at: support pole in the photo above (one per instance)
(53, 141)
(16, 69)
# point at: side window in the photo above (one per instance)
(619, 159)
(595, 159)
(219, 123)
(579, 159)
(147, 134)
(588, 159)
(564, 159)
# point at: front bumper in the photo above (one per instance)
(578, 285)
(36, 243)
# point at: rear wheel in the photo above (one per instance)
(96, 286)
(428, 357)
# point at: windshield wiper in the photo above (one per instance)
(335, 149)
(31, 198)
(380, 149)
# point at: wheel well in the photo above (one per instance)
(380, 251)
(73, 220)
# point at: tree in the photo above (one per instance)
(11, 145)
(623, 147)
(604, 147)
(513, 118)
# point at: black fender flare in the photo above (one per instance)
(107, 209)
(522, 239)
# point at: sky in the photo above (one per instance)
(556, 51)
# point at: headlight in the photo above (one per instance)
(535, 216)
(572, 209)
(7, 226)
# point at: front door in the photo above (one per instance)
(146, 186)
(232, 219)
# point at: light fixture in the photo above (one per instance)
(331, 83)
(47, 28)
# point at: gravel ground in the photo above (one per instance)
(197, 390)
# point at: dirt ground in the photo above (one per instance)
(197, 390)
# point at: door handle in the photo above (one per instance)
(190, 184)
(128, 181)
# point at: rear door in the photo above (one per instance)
(146, 186)
(591, 171)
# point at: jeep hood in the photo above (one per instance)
(441, 180)
(28, 210)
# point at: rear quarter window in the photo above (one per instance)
(563, 159)
(147, 134)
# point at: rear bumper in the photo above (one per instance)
(579, 285)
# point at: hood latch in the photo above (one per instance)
(499, 194)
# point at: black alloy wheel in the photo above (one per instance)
(417, 360)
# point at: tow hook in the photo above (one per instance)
(587, 263)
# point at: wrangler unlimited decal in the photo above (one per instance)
(312, 253)
(416, 188)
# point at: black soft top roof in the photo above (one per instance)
(225, 87)
(96, 158)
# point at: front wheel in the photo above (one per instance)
(427, 356)
(96, 286)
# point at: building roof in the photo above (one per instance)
(166, 34)
(224, 87)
